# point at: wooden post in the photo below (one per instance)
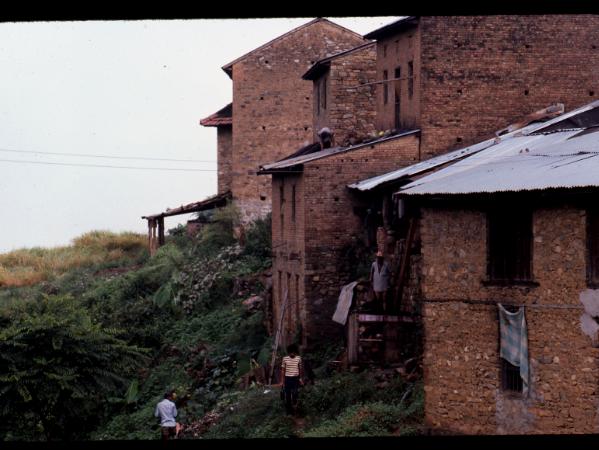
(405, 263)
(160, 231)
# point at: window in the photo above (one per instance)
(397, 96)
(385, 87)
(509, 245)
(282, 205)
(593, 248)
(510, 377)
(317, 98)
(290, 301)
(280, 291)
(410, 79)
(293, 203)
(323, 96)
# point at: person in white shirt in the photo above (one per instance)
(166, 410)
(291, 374)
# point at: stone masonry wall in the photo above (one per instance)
(482, 73)
(461, 350)
(224, 145)
(350, 111)
(272, 106)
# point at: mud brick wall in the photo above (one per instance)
(331, 224)
(288, 253)
(393, 53)
(481, 73)
(461, 345)
(350, 112)
(224, 145)
(272, 106)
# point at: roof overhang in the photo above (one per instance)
(215, 201)
(295, 164)
(393, 28)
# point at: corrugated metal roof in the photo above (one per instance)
(290, 162)
(468, 152)
(421, 167)
(563, 159)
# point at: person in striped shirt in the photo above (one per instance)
(292, 374)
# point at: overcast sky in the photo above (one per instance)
(129, 89)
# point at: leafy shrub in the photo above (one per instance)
(258, 238)
(59, 365)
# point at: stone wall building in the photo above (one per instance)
(459, 78)
(272, 107)
(514, 223)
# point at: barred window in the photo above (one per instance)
(510, 377)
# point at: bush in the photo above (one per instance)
(258, 238)
(59, 367)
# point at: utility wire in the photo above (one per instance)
(106, 156)
(105, 166)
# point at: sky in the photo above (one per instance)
(122, 89)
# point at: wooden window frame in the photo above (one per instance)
(592, 247)
(385, 87)
(510, 264)
(397, 90)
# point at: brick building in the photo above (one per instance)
(272, 108)
(222, 120)
(458, 78)
(313, 222)
(513, 223)
(338, 102)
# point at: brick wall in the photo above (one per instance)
(272, 106)
(288, 253)
(396, 53)
(481, 73)
(224, 145)
(461, 354)
(325, 223)
(350, 112)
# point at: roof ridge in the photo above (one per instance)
(227, 67)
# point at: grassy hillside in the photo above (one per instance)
(177, 321)
(26, 267)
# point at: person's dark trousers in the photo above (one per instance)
(291, 394)
(168, 432)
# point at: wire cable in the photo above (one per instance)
(106, 156)
(106, 166)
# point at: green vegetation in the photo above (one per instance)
(89, 351)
